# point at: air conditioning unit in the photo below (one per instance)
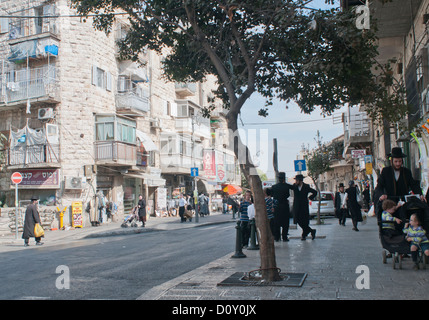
(73, 183)
(45, 113)
(155, 123)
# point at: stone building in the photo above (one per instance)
(83, 125)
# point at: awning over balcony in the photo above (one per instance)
(148, 144)
(33, 49)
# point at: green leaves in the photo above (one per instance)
(275, 47)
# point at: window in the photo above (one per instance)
(101, 78)
(125, 129)
(104, 131)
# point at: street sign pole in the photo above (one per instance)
(16, 211)
(197, 218)
(16, 179)
(194, 173)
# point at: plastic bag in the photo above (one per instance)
(38, 231)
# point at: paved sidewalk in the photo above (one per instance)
(331, 264)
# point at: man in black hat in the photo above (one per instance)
(280, 192)
(31, 218)
(341, 205)
(301, 213)
(396, 181)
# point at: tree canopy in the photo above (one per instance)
(277, 48)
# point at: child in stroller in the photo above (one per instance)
(418, 240)
(132, 218)
(397, 245)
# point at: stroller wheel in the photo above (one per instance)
(395, 258)
(400, 261)
(384, 256)
(124, 225)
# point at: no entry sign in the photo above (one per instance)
(16, 178)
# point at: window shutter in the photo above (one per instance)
(109, 79)
(94, 75)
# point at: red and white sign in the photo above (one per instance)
(16, 178)
(358, 153)
(209, 163)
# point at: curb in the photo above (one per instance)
(138, 230)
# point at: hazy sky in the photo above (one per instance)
(300, 128)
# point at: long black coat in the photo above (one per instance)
(352, 204)
(31, 218)
(301, 211)
(142, 209)
(386, 184)
(280, 192)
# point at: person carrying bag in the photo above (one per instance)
(32, 219)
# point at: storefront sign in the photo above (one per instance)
(77, 221)
(40, 179)
(358, 153)
(161, 198)
(209, 163)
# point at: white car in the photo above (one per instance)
(327, 205)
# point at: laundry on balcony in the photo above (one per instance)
(31, 146)
(33, 49)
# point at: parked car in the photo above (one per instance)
(327, 205)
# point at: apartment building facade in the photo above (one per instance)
(402, 31)
(84, 125)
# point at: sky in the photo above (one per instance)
(300, 128)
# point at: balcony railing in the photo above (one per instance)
(115, 153)
(34, 154)
(186, 89)
(36, 83)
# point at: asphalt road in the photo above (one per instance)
(120, 267)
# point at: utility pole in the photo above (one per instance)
(275, 160)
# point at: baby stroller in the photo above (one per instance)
(397, 246)
(132, 218)
(188, 214)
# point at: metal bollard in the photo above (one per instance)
(238, 245)
(253, 245)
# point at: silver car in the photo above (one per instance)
(327, 205)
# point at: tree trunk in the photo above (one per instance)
(266, 240)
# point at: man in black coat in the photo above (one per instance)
(353, 205)
(396, 181)
(301, 212)
(142, 210)
(280, 192)
(341, 210)
(31, 218)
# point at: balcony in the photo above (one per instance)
(131, 102)
(179, 163)
(38, 155)
(131, 98)
(185, 89)
(44, 22)
(35, 84)
(115, 153)
(190, 121)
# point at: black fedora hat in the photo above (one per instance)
(281, 175)
(397, 153)
(34, 198)
(341, 185)
(299, 177)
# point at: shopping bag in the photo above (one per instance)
(38, 231)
